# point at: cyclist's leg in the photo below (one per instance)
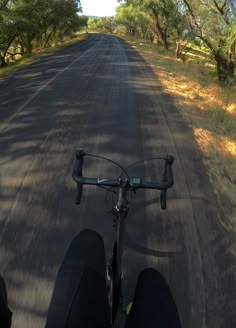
(153, 304)
(79, 298)
(5, 313)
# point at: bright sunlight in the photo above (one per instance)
(99, 8)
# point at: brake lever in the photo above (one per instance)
(163, 199)
(163, 195)
(79, 193)
(77, 171)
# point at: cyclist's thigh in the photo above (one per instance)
(5, 313)
(153, 304)
(79, 298)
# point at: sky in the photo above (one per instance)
(99, 7)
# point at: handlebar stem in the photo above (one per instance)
(122, 204)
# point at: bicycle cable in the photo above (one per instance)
(111, 161)
(124, 170)
(109, 189)
(136, 163)
(127, 168)
(143, 160)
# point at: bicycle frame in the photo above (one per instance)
(120, 212)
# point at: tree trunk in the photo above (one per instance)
(166, 41)
(162, 36)
(178, 49)
(225, 69)
(160, 30)
(2, 61)
(29, 48)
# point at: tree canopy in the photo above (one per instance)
(214, 23)
(28, 24)
(211, 22)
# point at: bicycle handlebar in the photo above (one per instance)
(77, 175)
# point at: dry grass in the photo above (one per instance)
(209, 109)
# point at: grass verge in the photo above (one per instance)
(27, 59)
(209, 109)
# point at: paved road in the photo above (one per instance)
(101, 95)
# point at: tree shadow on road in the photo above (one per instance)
(119, 111)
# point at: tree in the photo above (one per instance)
(108, 24)
(26, 24)
(8, 31)
(3, 4)
(94, 24)
(44, 20)
(126, 15)
(83, 22)
(164, 19)
(27, 17)
(214, 22)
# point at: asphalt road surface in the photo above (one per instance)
(101, 95)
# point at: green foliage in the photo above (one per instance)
(29, 58)
(127, 16)
(214, 22)
(211, 23)
(29, 24)
(165, 20)
(134, 20)
(107, 24)
(94, 24)
(152, 19)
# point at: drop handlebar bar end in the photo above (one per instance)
(77, 172)
(167, 182)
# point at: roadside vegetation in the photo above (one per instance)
(174, 23)
(21, 61)
(30, 26)
(191, 46)
(208, 109)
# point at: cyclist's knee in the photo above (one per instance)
(87, 238)
(86, 250)
(152, 275)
